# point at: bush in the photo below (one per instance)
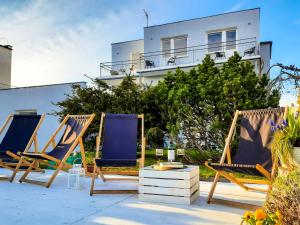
(285, 198)
(155, 137)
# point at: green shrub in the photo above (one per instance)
(200, 157)
(155, 137)
(285, 198)
(89, 157)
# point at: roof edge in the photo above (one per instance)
(9, 47)
(45, 85)
(219, 14)
(141, 39)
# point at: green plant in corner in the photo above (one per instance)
(286, 136)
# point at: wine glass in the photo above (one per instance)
(159, 153)
(180, 153)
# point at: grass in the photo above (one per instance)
(150, 159)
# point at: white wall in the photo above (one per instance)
(40, 98)
(265, 53)
(246, 23)
(121, 51)
(5, 66)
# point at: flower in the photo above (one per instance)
(260, 214)
(259, 223)
(247, 215)
(278, 215)
(272, 123)
(284, 123)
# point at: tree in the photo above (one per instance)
(201, 102)
(128, 97)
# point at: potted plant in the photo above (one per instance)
(286, 142)
(89, 158)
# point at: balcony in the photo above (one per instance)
(183, 57)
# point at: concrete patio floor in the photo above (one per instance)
(35, 205)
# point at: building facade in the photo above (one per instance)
(5, 66)
(36, 100)
(185, 43)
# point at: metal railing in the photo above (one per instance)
(192, 55)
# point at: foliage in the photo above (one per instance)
(89, 158)
(155, 137)
(260, 217)
(198, 104)
(285, 197)
(293, 128)
(201, 102)
(285, 137)
(204, 155)
(125, 98)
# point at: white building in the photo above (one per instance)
(5, 66)
(36, 99)
(185, 43)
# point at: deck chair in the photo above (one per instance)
(75, 127)
(119, 149)
(253, 156)
(21, 132)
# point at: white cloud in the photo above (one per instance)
(47, 49)
(288, 99)
(237, 6)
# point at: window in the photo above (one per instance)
(166, 47)
(174, 46)
(180, 46)
(214, 42)
(230, 39)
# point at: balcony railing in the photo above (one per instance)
(190, 56)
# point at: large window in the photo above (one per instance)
(174, 46)
(166, 47)
(230, 39)
(214, 42)
(180, 46)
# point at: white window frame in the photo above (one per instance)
(223, 40)
(225, 36)
(172, 46)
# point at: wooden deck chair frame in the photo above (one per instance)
(85, 120)
(33, 140)
(98, 172)
(268, 177)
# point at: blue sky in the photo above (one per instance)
(60, 40)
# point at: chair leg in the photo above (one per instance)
(95, 174)
(60, 166)
(16, 170)
(213, 187)
(33, 164)
(100, 173)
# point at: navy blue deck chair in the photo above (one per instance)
(21, 133)
(119, 148)
(74, 129)
(253, 156)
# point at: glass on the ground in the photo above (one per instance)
(159, 153)
(180, 153)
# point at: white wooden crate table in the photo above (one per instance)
(178, 186)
